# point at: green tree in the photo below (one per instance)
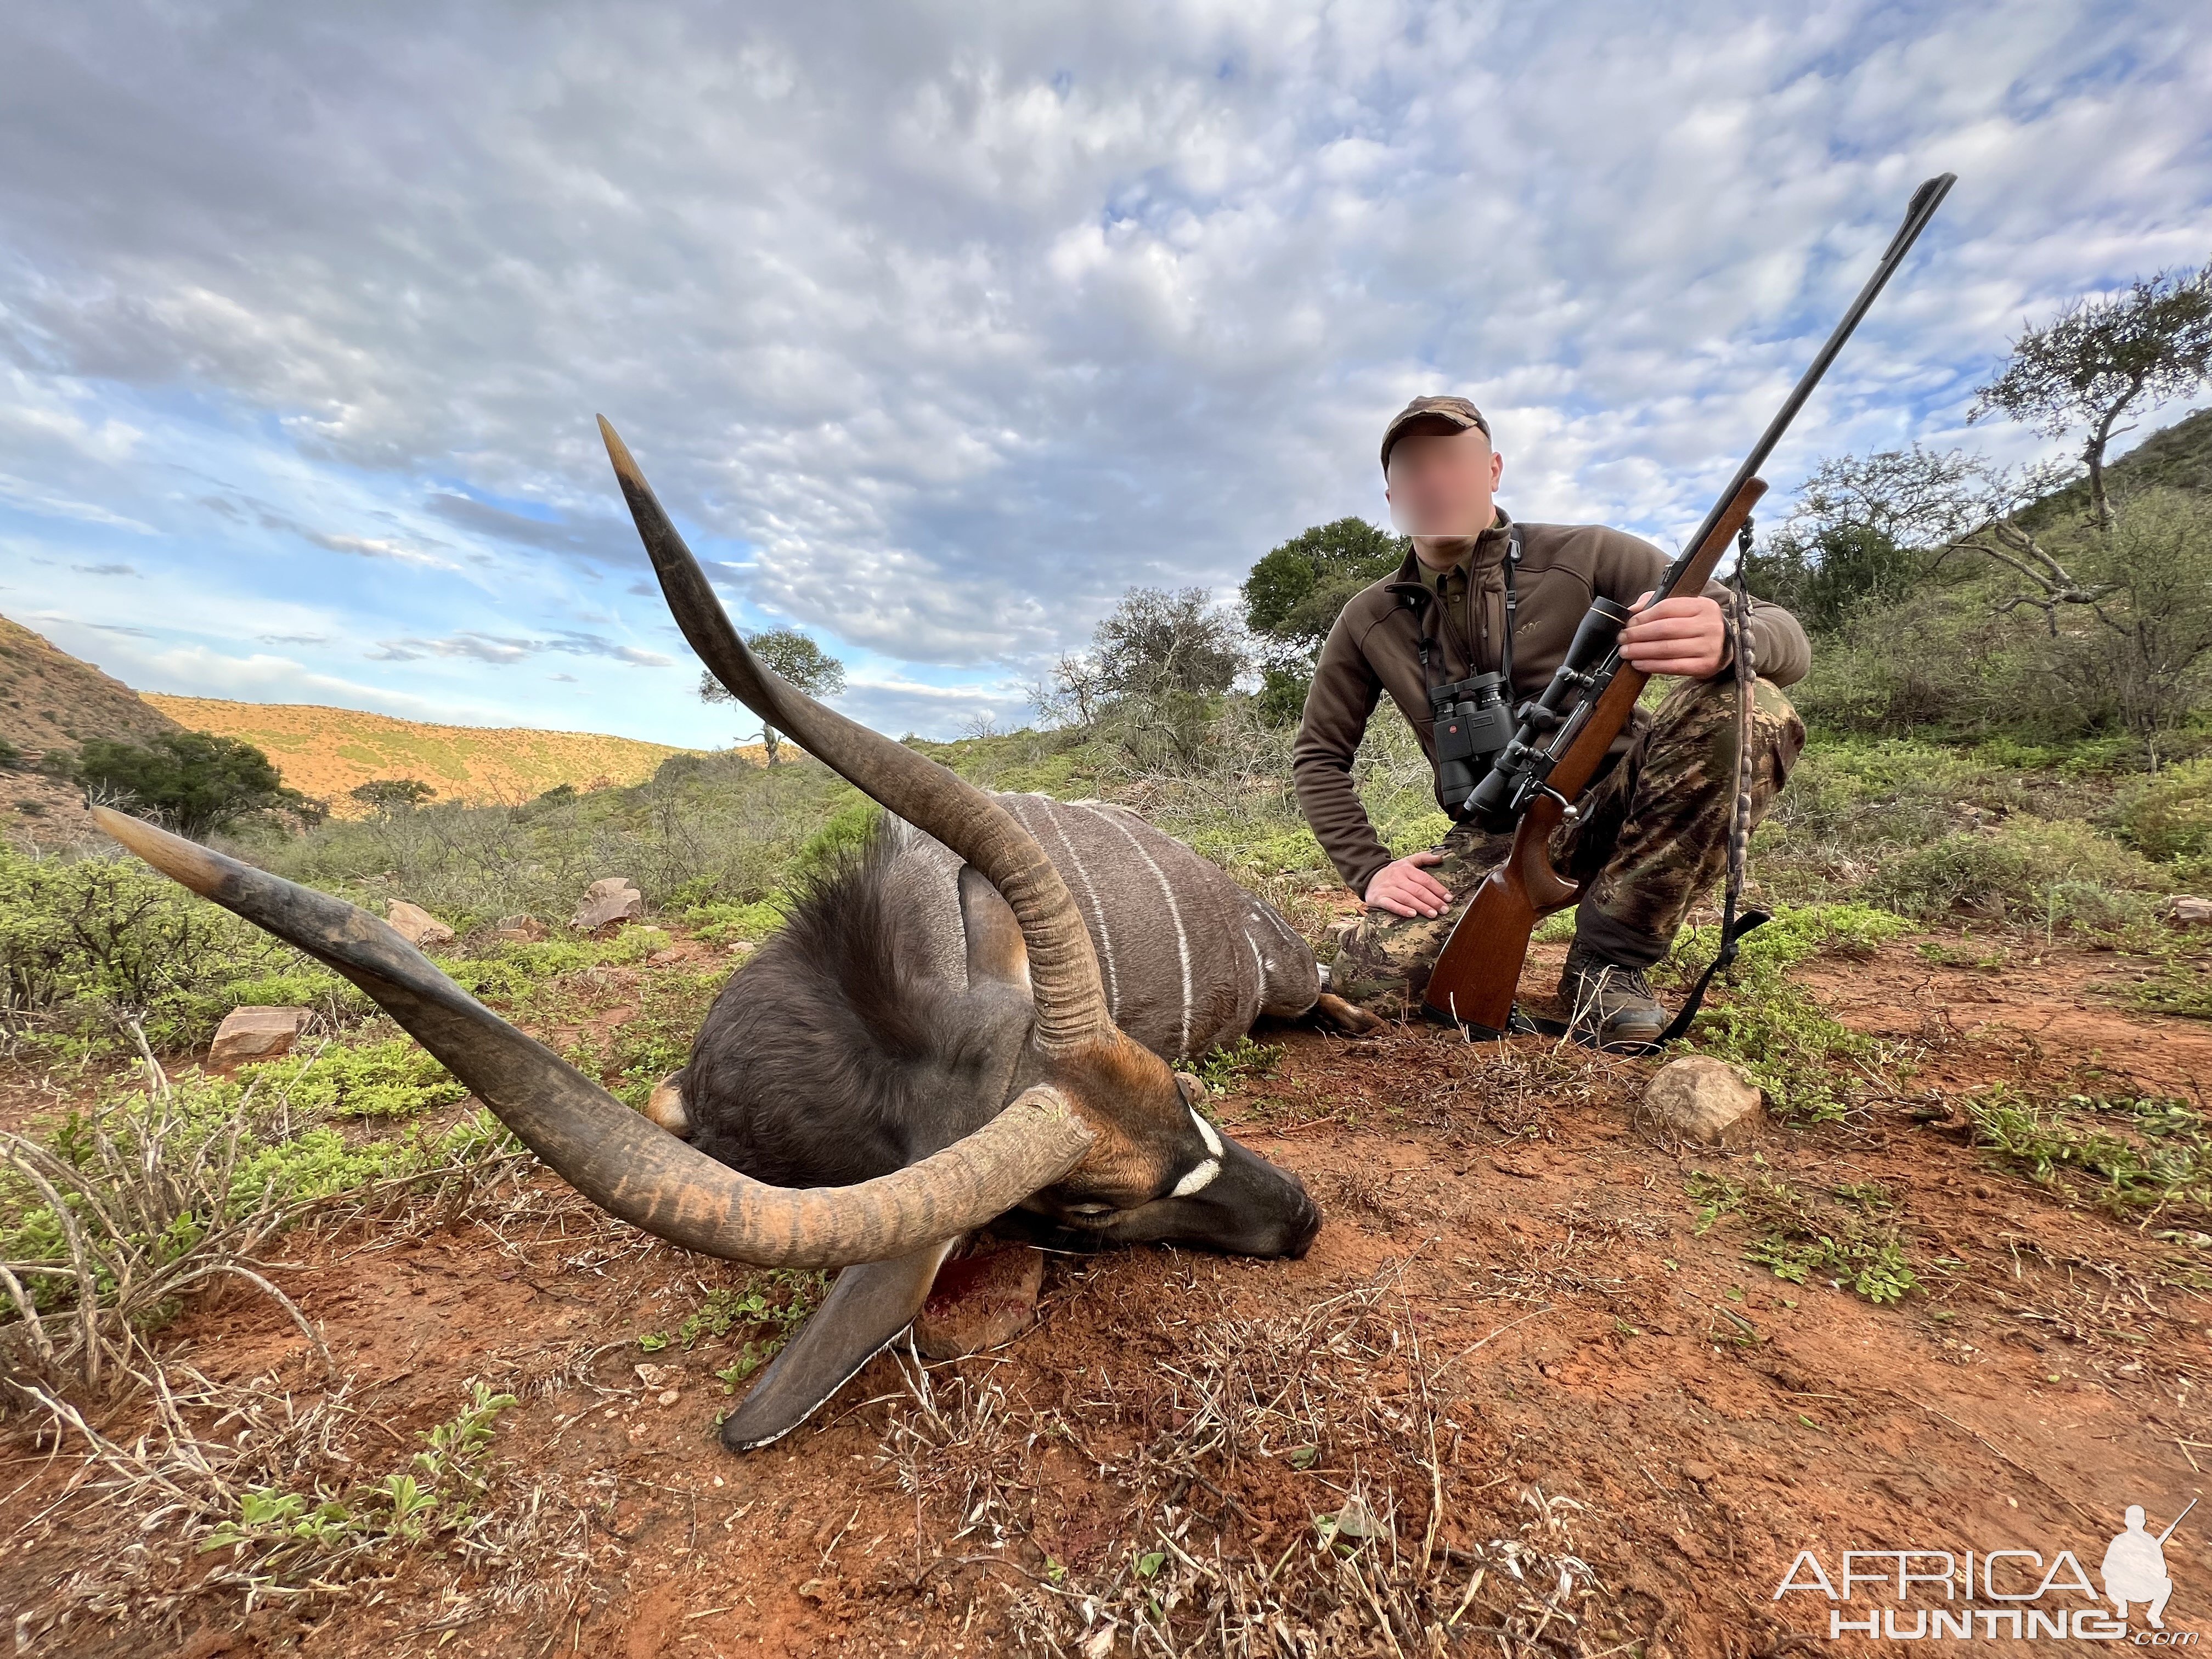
(1157, 667)
(196, 782)
(386, 796)
(1855, 534)
(1293, 595)
(1295, 592)
(2100, 357)
(797, 659)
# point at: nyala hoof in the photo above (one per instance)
(1345, 1018)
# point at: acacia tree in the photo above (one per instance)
(2140, 595)
(1158, 664)
(385, 797)
(797, 659)
(196, 782)
(2100, 357)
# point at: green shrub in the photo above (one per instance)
(846, 830)
(2130, 1153)
(729, 924)
(515, 968)
(2169, 816)
(397, 1078)
(2027, 870)
(1771, 1026)
(1848, 1235)
(84, 939)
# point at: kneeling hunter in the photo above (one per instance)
(1652, 831)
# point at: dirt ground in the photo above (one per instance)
(1513, 1339)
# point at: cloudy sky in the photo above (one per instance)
(939, 326)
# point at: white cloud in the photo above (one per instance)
(938, 331)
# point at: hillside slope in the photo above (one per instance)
(50, 700)
(327, 752)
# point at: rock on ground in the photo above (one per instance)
(519, 930)
(416, 925)
(254, 1034)
(1703, 1099)
(2186, 911)
(611, 898)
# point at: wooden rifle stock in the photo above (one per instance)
(1478, 969)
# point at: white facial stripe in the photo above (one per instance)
(1198, 1179)
(1207, 1132)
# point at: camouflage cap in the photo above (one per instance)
(1439, 414)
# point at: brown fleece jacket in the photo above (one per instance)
(1373, 648)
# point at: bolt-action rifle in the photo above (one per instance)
(1564, 734)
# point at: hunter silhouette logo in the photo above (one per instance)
(2134, 1567)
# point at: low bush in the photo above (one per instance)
(2024, 870)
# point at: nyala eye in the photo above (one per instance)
(1089, 1209)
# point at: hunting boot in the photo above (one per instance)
(1611, 998)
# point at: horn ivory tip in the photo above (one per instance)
(618, 452)
(183, 861)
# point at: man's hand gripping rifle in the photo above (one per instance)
(1563, 736)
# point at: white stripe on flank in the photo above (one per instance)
(1174, 914)
(1090, 892)
(1197, 1180)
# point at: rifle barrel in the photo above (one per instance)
(1917, 213)
(2177, 1521)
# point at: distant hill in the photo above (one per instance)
(327, 752)
(50, 700)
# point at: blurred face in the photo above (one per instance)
(1440, 487)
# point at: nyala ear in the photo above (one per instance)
(995, 950)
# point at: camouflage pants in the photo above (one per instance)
(1652, 837)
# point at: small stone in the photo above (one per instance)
(416, 925)
(670, 1396)
(1703, 1100)
(980, 1301)
(611, 898)
(1700, 1472)
(254, 1034)
(654, 1377)
(2185, 911)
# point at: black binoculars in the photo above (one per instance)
(1471, 724)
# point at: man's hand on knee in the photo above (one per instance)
(1405, 888)
(1686, 635)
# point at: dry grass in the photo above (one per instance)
(296, 1506)
(137, 1201)
(1343, 1392)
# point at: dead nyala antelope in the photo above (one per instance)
(972, 1026)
